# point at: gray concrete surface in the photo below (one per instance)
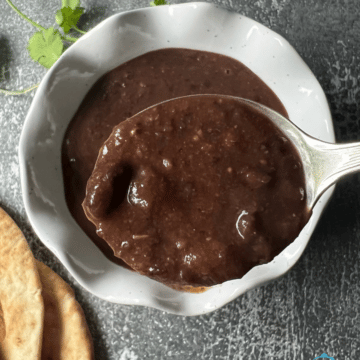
(315, 308)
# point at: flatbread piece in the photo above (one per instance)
(20, 295)
(66, 334)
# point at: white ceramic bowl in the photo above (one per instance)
(118, 39)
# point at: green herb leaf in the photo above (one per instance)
(67, 17)
(158, 2)
(46, 46)
(73, 4)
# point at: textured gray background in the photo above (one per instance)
(315, 308)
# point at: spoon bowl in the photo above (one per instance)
(323, 163)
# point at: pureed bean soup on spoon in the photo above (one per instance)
(171, 245)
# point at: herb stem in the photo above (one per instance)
(78, 30)
(69, 38)
(19, 92)
(38, 26)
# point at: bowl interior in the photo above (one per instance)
(118, 39)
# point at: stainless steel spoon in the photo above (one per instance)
(324, 163)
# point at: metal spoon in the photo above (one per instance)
(324, 163)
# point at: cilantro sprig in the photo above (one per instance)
(69, 14)
(47, 44)
(159, 2)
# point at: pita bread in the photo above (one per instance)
(20, 295)
(2, 325)
(66, 335)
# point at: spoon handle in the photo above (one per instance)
(330, 162)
